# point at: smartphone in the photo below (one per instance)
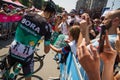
(102, 38)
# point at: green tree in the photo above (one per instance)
(39, 4)
(25, 2)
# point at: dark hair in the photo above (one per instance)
(50, 7)
(5, 5)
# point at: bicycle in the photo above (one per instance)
(38, 59)
(7, 73)
(5, 69)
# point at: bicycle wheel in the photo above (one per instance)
(37, 54)
(38, 61)
(38, 57)
(3, 67)
(40, 64)
(34, 77)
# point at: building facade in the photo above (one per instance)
(93, 7)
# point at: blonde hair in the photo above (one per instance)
(74, 32)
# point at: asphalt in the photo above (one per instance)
(49, 69)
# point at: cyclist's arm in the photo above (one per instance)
(46, 48)
(47, 40)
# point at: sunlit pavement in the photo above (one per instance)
(49, 69)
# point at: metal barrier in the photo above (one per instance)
(8, 24)
(72, 70)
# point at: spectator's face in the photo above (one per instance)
(6, 8)
(107, 21)
(49, 15)
(85, 16)
(64, 17)
(96, 22)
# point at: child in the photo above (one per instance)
(73, 36)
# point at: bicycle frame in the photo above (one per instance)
(6, 74)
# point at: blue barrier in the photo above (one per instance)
(72, 70)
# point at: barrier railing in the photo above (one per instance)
(8, 24)
(72, 70)
(8, 18)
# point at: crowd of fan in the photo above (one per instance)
(89, 29)
(8, 26)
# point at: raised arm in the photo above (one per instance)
(108, 56)
(89, 61)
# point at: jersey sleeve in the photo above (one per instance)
(48, 34)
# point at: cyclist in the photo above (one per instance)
(29, 31)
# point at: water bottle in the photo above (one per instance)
(16, 71)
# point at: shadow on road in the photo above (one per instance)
(34, 77)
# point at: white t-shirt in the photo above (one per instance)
(63, 28)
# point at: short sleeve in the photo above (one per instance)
(48, 34)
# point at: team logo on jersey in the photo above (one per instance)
(32, 43)
(31, 25)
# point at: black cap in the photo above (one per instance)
(50, 6)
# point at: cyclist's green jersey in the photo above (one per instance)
(29, 31)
